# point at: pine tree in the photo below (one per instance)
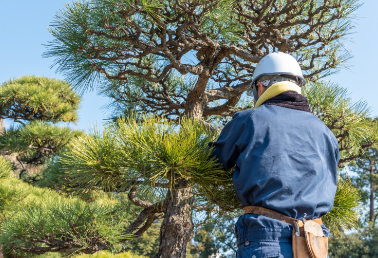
(66, 224)
(137, 50)
(35, 103)
(32, 98)
(366, 180)
(360, 244)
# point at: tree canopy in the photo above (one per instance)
(35, 103)
(175, 57)
(31, 98)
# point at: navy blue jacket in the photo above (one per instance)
(285, 160)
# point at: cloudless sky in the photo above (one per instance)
(23, 30)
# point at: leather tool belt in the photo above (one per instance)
(308, 238)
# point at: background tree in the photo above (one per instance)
(147, 244)
(215, 237)
(32, 98)
(204, 245)
(35, 103)
(366, 180)
(195, 58)
(65, 224)
(360, 244)
(86, 224)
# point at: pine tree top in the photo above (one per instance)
(193, 57)
(32, 98)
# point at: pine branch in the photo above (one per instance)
(134, 199)
(148, 215)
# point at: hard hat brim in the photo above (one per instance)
(302, 80)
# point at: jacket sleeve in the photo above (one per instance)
(228, 146)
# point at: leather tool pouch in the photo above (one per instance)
(300, 249)
(309, 241)
(317, 245)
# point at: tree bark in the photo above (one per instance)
(177, 227)
(196, 100)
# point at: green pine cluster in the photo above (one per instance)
(28, 213)
(158, 153)
(107, 254)
(350, 122)
(346, 208)
(34, 104)
(32, 98)
(36, 141)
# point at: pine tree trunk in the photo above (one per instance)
(177, 227)
(196, 101)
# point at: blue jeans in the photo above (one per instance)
(265, 249)
(261, 237)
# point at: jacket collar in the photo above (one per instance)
(277, 89)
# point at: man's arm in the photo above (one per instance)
(228, 146)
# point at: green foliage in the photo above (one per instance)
(32, 216)
(147, 244)
(221, 23)
(216, 236)
(107, 254)
(366, 180)
(81, 25)
(360, 244)
(6, 168)
(205, 246)
(32, 98)
(348, 121)
(8, 194)
(222, 192)
(344, 214)
(36, 140)
(156, 152)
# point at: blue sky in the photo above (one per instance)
(24, 25)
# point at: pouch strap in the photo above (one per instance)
(276, 215)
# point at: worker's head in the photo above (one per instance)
(273, 68)
(266, 81)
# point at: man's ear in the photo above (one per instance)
(259, 88)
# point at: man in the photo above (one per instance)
(285, 163)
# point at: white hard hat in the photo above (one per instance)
(277, 63)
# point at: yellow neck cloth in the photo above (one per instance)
(277, 89)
